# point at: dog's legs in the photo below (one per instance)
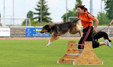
(80, 33)
(106, 37)
(53, 38)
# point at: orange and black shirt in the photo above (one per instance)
(86, 19)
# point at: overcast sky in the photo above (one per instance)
(57, 7)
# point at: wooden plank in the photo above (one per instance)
(88, 56)
(69, 54)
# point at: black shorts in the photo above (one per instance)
(89, 37)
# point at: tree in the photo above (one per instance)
(69, 14)
(45, 13)
(109, 8)
(72, 13)
(24, 22)
(30, 14)
(104, 19)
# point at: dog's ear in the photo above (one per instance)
(56, 30)
(48, 26)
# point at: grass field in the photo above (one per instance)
(34, 53)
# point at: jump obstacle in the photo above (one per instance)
(74, 55)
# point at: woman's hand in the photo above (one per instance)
(110, 23)
(94, 30)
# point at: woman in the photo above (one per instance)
(86, 19)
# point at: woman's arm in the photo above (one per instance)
(96, 24)
(111, 22)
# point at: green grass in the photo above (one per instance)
(105, 25)
(34, 53)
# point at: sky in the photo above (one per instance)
(57, 7)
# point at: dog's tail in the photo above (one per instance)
(78, 21)
(75, 21)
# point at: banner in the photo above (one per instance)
(4, 31)
(35, 32)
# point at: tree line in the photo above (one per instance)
(103, 17)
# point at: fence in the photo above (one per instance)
(15, 21)
(19, 31)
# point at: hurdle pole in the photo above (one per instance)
(108, 30)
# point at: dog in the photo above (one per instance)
(101, 34)
(57, 30)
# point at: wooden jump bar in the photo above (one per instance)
(72, 54)
(69, 59)
(77, 44)
(75, 49)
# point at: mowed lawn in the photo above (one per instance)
(34, 53)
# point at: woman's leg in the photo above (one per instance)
(101, 43)
(97, 44)
(80, 41)
(85, 37)
(106, 42)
